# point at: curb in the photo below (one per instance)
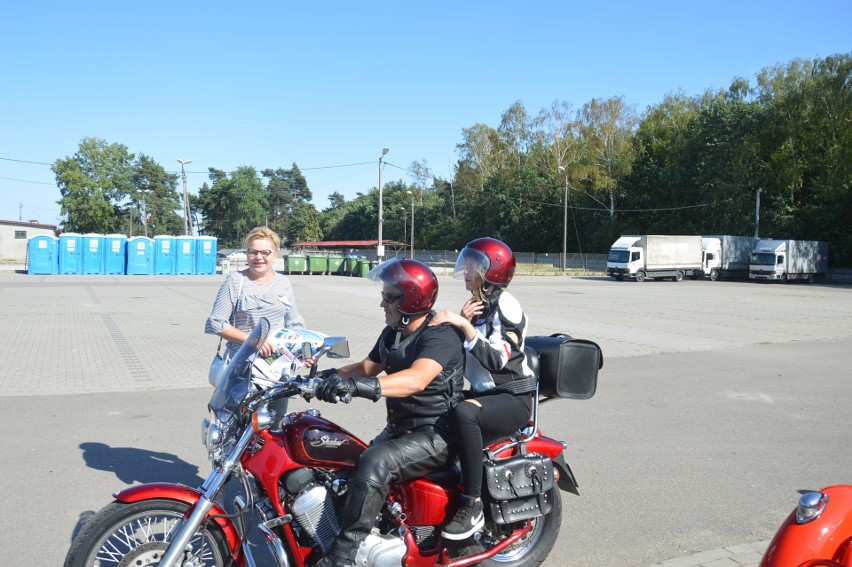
(743, 555)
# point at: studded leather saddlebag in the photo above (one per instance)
(519, 487)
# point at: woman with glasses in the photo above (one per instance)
(501, 382)
(258, 291)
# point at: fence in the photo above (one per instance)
(443, 261)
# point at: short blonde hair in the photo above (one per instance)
(262, 232)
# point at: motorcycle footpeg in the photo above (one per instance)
(279, 521)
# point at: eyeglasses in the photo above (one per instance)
(390, 297)
(262, 253)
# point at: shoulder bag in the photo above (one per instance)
(219, 362)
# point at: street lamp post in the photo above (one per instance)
(757, 213)
(411, 251)
(186, 223)
(404, 224)
(380, 249)
(564, 222)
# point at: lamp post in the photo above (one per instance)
(411, 251)
(757, 213)
(380, 249)
(404, 224)
(186, 223)
(564, 222)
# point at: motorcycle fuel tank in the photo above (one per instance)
(314, 441)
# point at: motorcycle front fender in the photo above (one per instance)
(827, 540)
(185, 494)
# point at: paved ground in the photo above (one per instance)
(705, 383)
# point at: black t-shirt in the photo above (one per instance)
(441, 343)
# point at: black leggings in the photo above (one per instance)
(473, 426)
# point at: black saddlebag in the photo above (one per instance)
(568, 367)
(519, 487)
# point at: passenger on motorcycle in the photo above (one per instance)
(502, 384)
(423, 370)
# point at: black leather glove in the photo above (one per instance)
(336, 388)
(327, 372)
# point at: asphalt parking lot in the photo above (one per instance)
(718, 400)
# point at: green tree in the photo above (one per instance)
(233, 204)
(288, 193)
(92, 183)
(154, 192)
(607, 126)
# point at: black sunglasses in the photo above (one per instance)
(390, 297)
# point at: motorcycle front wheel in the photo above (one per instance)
(533, 548)
(134, 534)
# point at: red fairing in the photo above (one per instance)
(187, 495)
(823, 542)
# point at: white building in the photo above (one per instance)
(14, 236)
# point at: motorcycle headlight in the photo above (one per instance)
(811, 506)
(214, 435)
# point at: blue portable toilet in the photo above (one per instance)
(115, 253)
(164, 254)
(42, 254)
(184, 254)
(93, 254)
(205, 255)
(140, 256)
(70, 253)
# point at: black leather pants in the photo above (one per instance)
(387, 460)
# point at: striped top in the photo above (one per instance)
(242, 302)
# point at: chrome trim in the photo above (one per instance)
(811, 506)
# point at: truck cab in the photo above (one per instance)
(711, 257)
(624, 258)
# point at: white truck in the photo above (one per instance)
(785, 260)
(654, 256)
(726, 256)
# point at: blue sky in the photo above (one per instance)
(326, 84)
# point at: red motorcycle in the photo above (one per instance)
(294, 470)
(818, 533)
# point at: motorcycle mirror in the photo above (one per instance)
(336, 347)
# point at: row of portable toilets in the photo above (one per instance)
(117, 254)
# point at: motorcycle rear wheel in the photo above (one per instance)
(533, 548)
(123, 533)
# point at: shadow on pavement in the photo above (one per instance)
(133, 465)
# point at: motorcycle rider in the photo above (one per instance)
(423, 380)
(500, 401)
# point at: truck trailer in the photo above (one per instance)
(786, 260)
(726, 256)
(654, 256)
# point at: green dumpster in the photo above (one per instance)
(336, 265)
(364, 267)
(351, 266)
(295, 264)
(317, 264)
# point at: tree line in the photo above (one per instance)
(687, 165)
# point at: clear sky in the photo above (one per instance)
(327, 84)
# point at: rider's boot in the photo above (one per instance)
(468, 520)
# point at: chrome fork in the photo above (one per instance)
(210, 489)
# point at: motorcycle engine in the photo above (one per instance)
(313, 509)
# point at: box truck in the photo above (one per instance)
(785, 260)
(654, 256)
(726, 256)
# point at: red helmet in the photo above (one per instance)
(490, 258)
(414, 279)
